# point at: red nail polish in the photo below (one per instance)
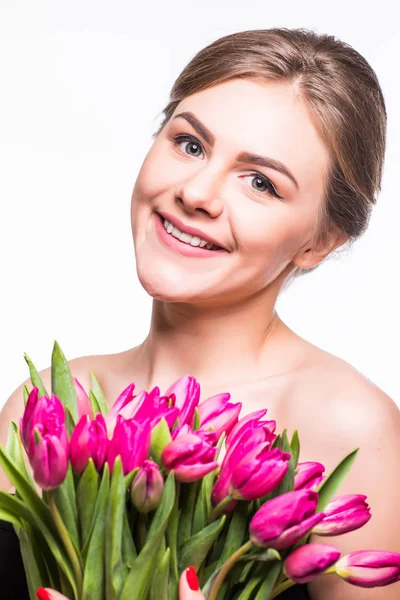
(192, 579)
(42, 594)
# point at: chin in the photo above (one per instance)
(164, 284)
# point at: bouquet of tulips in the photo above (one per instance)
(132, 495)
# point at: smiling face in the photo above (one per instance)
(263, 213)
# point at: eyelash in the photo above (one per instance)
(271, 189)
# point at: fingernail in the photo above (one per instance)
(42, 594)
(192, 579)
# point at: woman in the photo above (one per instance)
(269, 158)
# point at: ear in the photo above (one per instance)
(315, 253)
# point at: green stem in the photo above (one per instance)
(226, 567)
(281, 588)
(285, 585)
(141, 524)
(219, 509)
(63, 531)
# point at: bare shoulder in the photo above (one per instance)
(340, 408)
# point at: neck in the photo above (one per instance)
(219, 346)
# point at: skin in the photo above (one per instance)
(215, 318)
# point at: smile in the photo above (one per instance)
(184, 243)
(186, 238)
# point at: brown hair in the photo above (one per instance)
(343, 93)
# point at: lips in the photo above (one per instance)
(191, 230)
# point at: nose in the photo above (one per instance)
(199, 193)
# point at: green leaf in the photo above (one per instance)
(86, 494)
(269, 582)
(27, 493)
(98, 392)
(34, 565)
(252, 584)
(237, 531)
(295, 448)
(16, 453)
(159, 586)
(129, 552)
(196, 424)
(62, 383)
(172, 541)
(188, 497)
(35, 377)
(20, 509)
(69, 421)
(26, 394)
(329, 486)
(160, 437)
(194, 550)
(94, 404)
(138, 581)
(64, 496)
(203, 505)
(94, 577)
(113, 533)
(268, 555)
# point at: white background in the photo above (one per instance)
(82, 88)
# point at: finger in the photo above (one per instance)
(189, 586)
(48, 594)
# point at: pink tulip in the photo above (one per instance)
(88, 440)
(309, 474)
(219, 415)
(246, 440)
(50, 461)
(131, 440)
(258, 473)
(48, 454)
(191, 454)
(344, 513)
(308, 561)
(369, 568)
(186, 392)
(84, 406)
(285, 519)
(252, 421)
(46, 413)
(124, 401)
(147, 487)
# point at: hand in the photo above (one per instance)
(188, 588)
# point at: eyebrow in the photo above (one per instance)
(245, 157)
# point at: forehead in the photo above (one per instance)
(268, 118)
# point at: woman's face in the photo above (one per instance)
(262, 216)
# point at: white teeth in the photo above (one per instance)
(176, 233)
(186, 238)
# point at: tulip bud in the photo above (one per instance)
(187, 395)
(369, 568)
(88, 440)
(147, 487)
(258, 473)
(218, 415)
(308, 561)
(344, 513)
(285, 519)
(49, 460)
(309, 474)
(191, 454)
(84, 406)
(131, 440)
